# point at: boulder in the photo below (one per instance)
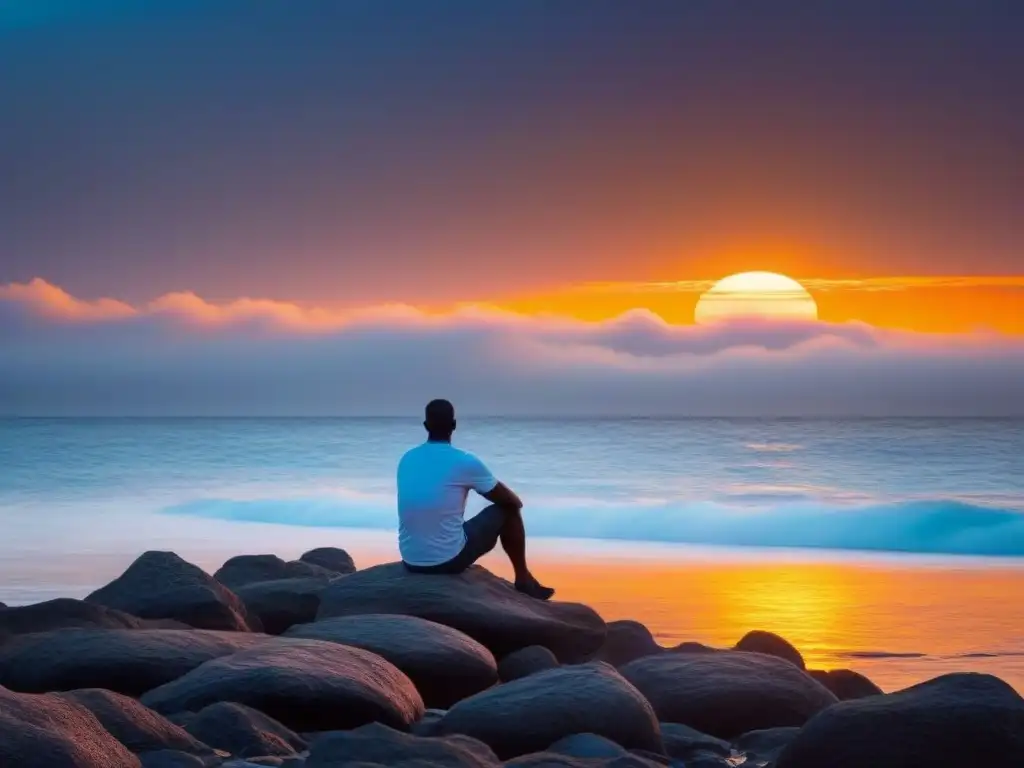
(282, 603)
(65, 613)
(530, 714)
(526, 661)
(558, 760)
(47, 731)
(588, 745)
(682, 741)
(765, 745)
(692, 647)
(137, 727)
(759, 641)
(242, 731)
(445, 665)
(626, 641)
(160, 585)
(727, 693)
(308, 685)
(126, 661)
(951, 721)
(331, 558)
(475, 602)
(845, 683)
(171, 758)
(427, 724)
(250, 569)
(376, 744)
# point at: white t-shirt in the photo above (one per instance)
(433, 482)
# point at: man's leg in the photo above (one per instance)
(513, 541)
(506, 524)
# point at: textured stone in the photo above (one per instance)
(134, 725)
(530, 714)
(160, 585)
(48, 731)
(444, 664)
(953, 721)
(476, 603)
(307, 685)
(526, 661)
(126, 661)
(727, 693)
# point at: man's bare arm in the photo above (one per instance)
(503, 496)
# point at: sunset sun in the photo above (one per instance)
(763, 295)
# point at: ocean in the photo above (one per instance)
(895, 547)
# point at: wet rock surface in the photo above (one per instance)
(162, 668)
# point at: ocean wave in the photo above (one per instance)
(921, 527)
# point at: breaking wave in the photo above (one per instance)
(920, 527)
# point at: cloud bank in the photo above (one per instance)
(182, 355)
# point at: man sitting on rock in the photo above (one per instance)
(434, 480)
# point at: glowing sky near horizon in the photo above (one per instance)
(340, 155)
(332, 207)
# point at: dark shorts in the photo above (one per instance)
(482, 533)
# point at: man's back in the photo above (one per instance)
(433, 481)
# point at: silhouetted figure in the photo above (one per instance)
(434, 480)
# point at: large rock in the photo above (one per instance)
(587, 745)
(65, 613)
(283, 603)
(172, 758)
(682, 741)
(242, 731)
(377, 744)
(160, 585)
(250, 569)
(845, 683)
(951, 721)
(331, 558)
(559, 760)
(47, 731)
(137, 727)
(445, 665)
(759, 641)
(526, 661)
(530, 714)
(765, 745)
(308, 685)
(627, 641)
(126, 661)
(727, 693)
(475, 602)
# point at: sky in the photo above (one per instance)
(463, 178)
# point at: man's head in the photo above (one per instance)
(440, 420)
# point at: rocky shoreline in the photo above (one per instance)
(315, 664)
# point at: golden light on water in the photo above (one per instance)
(763, 295)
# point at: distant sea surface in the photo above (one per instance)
(895, 547)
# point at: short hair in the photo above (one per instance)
(439, 415)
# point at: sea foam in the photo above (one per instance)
(947, 527)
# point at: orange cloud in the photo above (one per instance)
(946, 305)
(182, 354)
(942, 304)
(54, 302)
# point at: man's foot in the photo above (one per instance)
(534, 588)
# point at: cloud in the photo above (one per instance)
(183, 355)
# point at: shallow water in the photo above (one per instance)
(79, 499)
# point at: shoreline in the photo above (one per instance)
(899, 619)
(341, 663)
